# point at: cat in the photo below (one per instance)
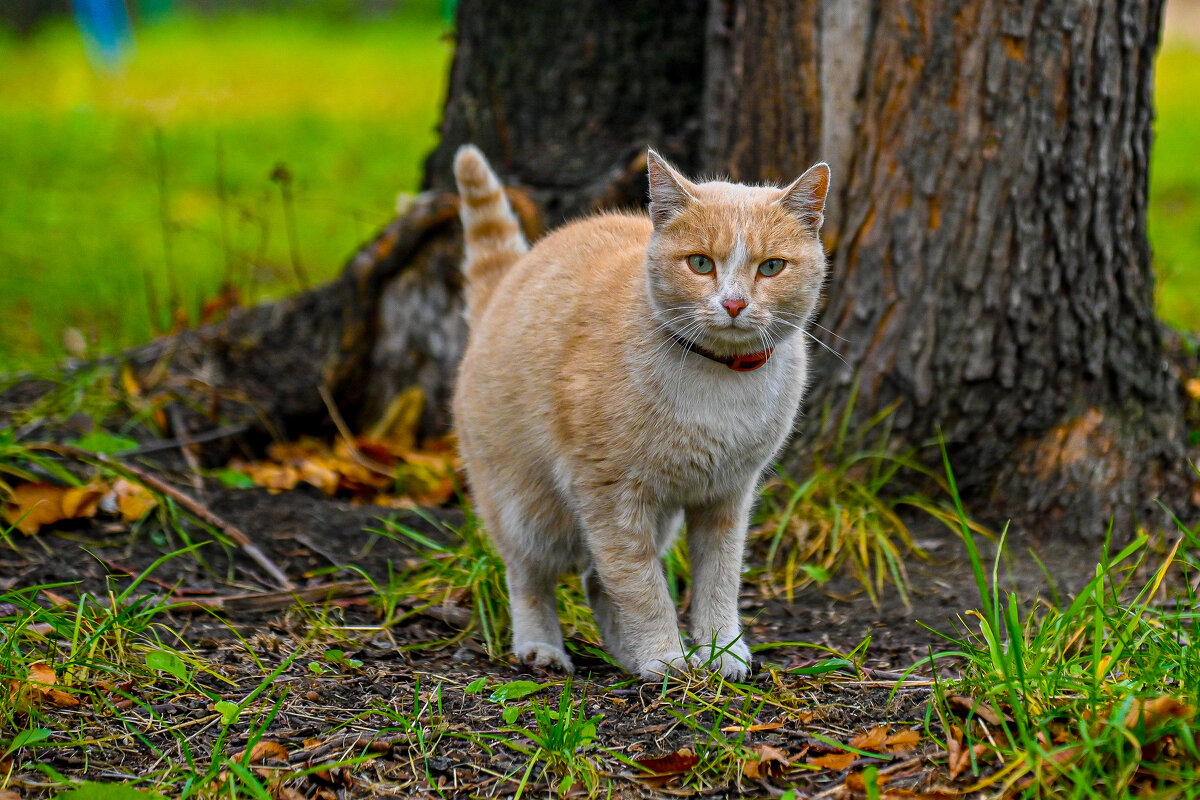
(628, 373)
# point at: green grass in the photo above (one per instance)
(1174, 218)
(1095, 699)
(204, 109)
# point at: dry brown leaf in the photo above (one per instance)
(957, 756)
(1151, 713)
(42, 680)
(771, 763)
(872, 739)
(857, 784)
(834, 761)
(288, 793)
(264, 750)
(9, 794)
(966, 705)
(658, 769)
(134, 501)
(56, 599)
(901, 741)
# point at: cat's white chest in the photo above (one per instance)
(728, 425)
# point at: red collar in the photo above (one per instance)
(743, 363)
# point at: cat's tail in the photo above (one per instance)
(491, 231)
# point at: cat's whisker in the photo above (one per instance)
(836, 354)
(831, 333)
(804, 318)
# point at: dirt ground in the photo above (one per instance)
(369, 711)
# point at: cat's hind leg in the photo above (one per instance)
(536, 549)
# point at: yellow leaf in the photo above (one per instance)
(1192, 387)
(129, 381)
(82, 501)
(133, 500)
(32, 505)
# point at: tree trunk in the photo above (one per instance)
(990, 268)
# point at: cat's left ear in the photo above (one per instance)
(806, 196)
(669, 191)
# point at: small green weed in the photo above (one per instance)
(561, 740)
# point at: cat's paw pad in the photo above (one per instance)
(545, 655)
(665, 665)
(732, 661)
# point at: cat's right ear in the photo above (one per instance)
(669, 191)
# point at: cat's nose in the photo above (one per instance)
(734, 306)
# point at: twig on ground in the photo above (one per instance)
(187, 447)
(189, 503)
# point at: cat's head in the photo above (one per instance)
(734, 268)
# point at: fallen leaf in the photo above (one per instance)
(1151, 713)
(133, 500)
(771, 763)
(1193, 388)
(856, 782)
(84, 501)
(658, 769)
(872, 739)
(32, 505)
(263, 750)
(901, 741)
(957, 756)
(56, 599)
(968, 706)
(9, 794)
(42, 681)
(834, 761)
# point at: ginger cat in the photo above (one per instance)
(628, 373)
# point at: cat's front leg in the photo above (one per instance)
(634, 588)
(716, 541)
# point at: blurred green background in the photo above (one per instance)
(131, 193)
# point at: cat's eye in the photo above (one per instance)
(701, 264)
(772, 266)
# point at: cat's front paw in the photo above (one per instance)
(543, 654)
(732, 660)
